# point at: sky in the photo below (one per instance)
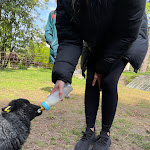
(44, 14)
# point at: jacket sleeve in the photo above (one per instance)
(69, 49)
(49, 30)
(130, 18)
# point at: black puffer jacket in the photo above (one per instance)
(136, 54)
(109, 27)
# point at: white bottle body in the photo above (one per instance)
(54, 98)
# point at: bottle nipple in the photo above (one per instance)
(42, 108)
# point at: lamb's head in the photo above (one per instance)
(22, 107)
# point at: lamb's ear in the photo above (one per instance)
(3, 108)
(7, 109)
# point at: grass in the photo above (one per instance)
(41, 144)
(62, 126)
(52, 139)
(78, 111)
(140, 141)
(25, 82)
(134, 74)
(54, 125)
(130, 76)
(51, 116)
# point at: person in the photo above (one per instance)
(51, 38)
(51, 35)
(115, 33)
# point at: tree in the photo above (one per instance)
(16, 24)
(39, 51)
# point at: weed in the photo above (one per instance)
(41, 144)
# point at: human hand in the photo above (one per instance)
(97, 77)
(58, 86)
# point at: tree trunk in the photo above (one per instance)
(0, 21)
(127, 68)
(9, 57)
(0, 36)
(146, 60)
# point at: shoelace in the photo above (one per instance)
(101, 140)
(86, 136)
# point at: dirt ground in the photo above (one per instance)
(60, 128)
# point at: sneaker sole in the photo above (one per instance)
(90, 148)
(94, 143)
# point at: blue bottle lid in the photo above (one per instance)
(45, 106)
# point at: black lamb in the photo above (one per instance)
(15, 123)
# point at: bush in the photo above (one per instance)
(22, 66)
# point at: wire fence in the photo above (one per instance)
(13, 60)
(16, 60)
(23, 61)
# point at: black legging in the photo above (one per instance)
(109, 96)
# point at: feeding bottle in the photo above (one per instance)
(54, 98)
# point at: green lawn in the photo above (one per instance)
(60, 127)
